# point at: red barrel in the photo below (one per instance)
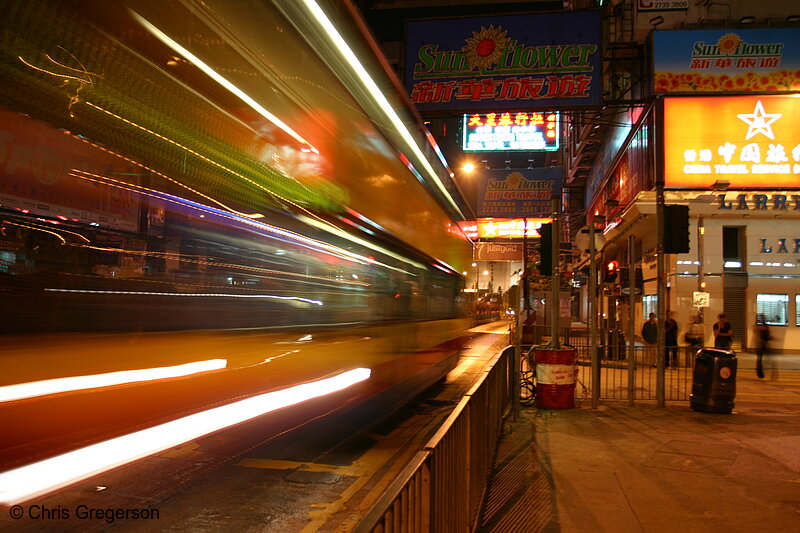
(555, 378)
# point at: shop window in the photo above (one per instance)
(7, 260)
(649, 305)
(797, 309)
(773, 308)
(733, 248)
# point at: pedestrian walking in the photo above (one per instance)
(695, 334)
(723, 332)
(650, 336)
(670, 340)
(762, 344)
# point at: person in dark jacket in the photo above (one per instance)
(670, 340)
(650, 336)
(723, 333)
(762, 343)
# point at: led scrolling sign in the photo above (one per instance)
(507, 131)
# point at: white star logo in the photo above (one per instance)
(757, 120)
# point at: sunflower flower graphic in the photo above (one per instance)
(486, 47)
(728, 43)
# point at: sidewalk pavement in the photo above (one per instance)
(649, 469)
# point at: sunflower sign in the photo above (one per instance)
(542, 60)
(518, 193)
(718, 61)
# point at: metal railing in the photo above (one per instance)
(612, 348)
(615, 368)
(443, 487)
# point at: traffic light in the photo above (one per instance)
(676, 229)
(546, 250)
(610, 273)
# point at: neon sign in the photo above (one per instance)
(531, 132)
(503, 228)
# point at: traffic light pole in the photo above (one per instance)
(555, 207)
(661, 289)
(631, 317)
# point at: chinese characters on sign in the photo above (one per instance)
(509, 89)
(704, 61)
(510, 131)
(750, 141)
(544, 59)
(498, 228)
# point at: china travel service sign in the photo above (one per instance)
(714, 61)
(544, 60)
(749, 141)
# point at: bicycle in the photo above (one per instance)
(527, 391)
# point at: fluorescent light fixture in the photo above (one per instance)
(733, 264)
(29, 481)
(45, 387)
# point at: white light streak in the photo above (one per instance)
(36, 479)
(377, 94)
(199, 295)
(33, 389)
(196, 61)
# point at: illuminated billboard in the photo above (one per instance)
(765, 60)
(524, 192)
(536, 60)
(748, 141)
(503, 228)
(491, 132)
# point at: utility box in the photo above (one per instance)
(714, 381)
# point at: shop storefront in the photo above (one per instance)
(735, 162)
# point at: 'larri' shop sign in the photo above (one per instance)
(749, 141)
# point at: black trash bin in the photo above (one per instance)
(714, 381)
